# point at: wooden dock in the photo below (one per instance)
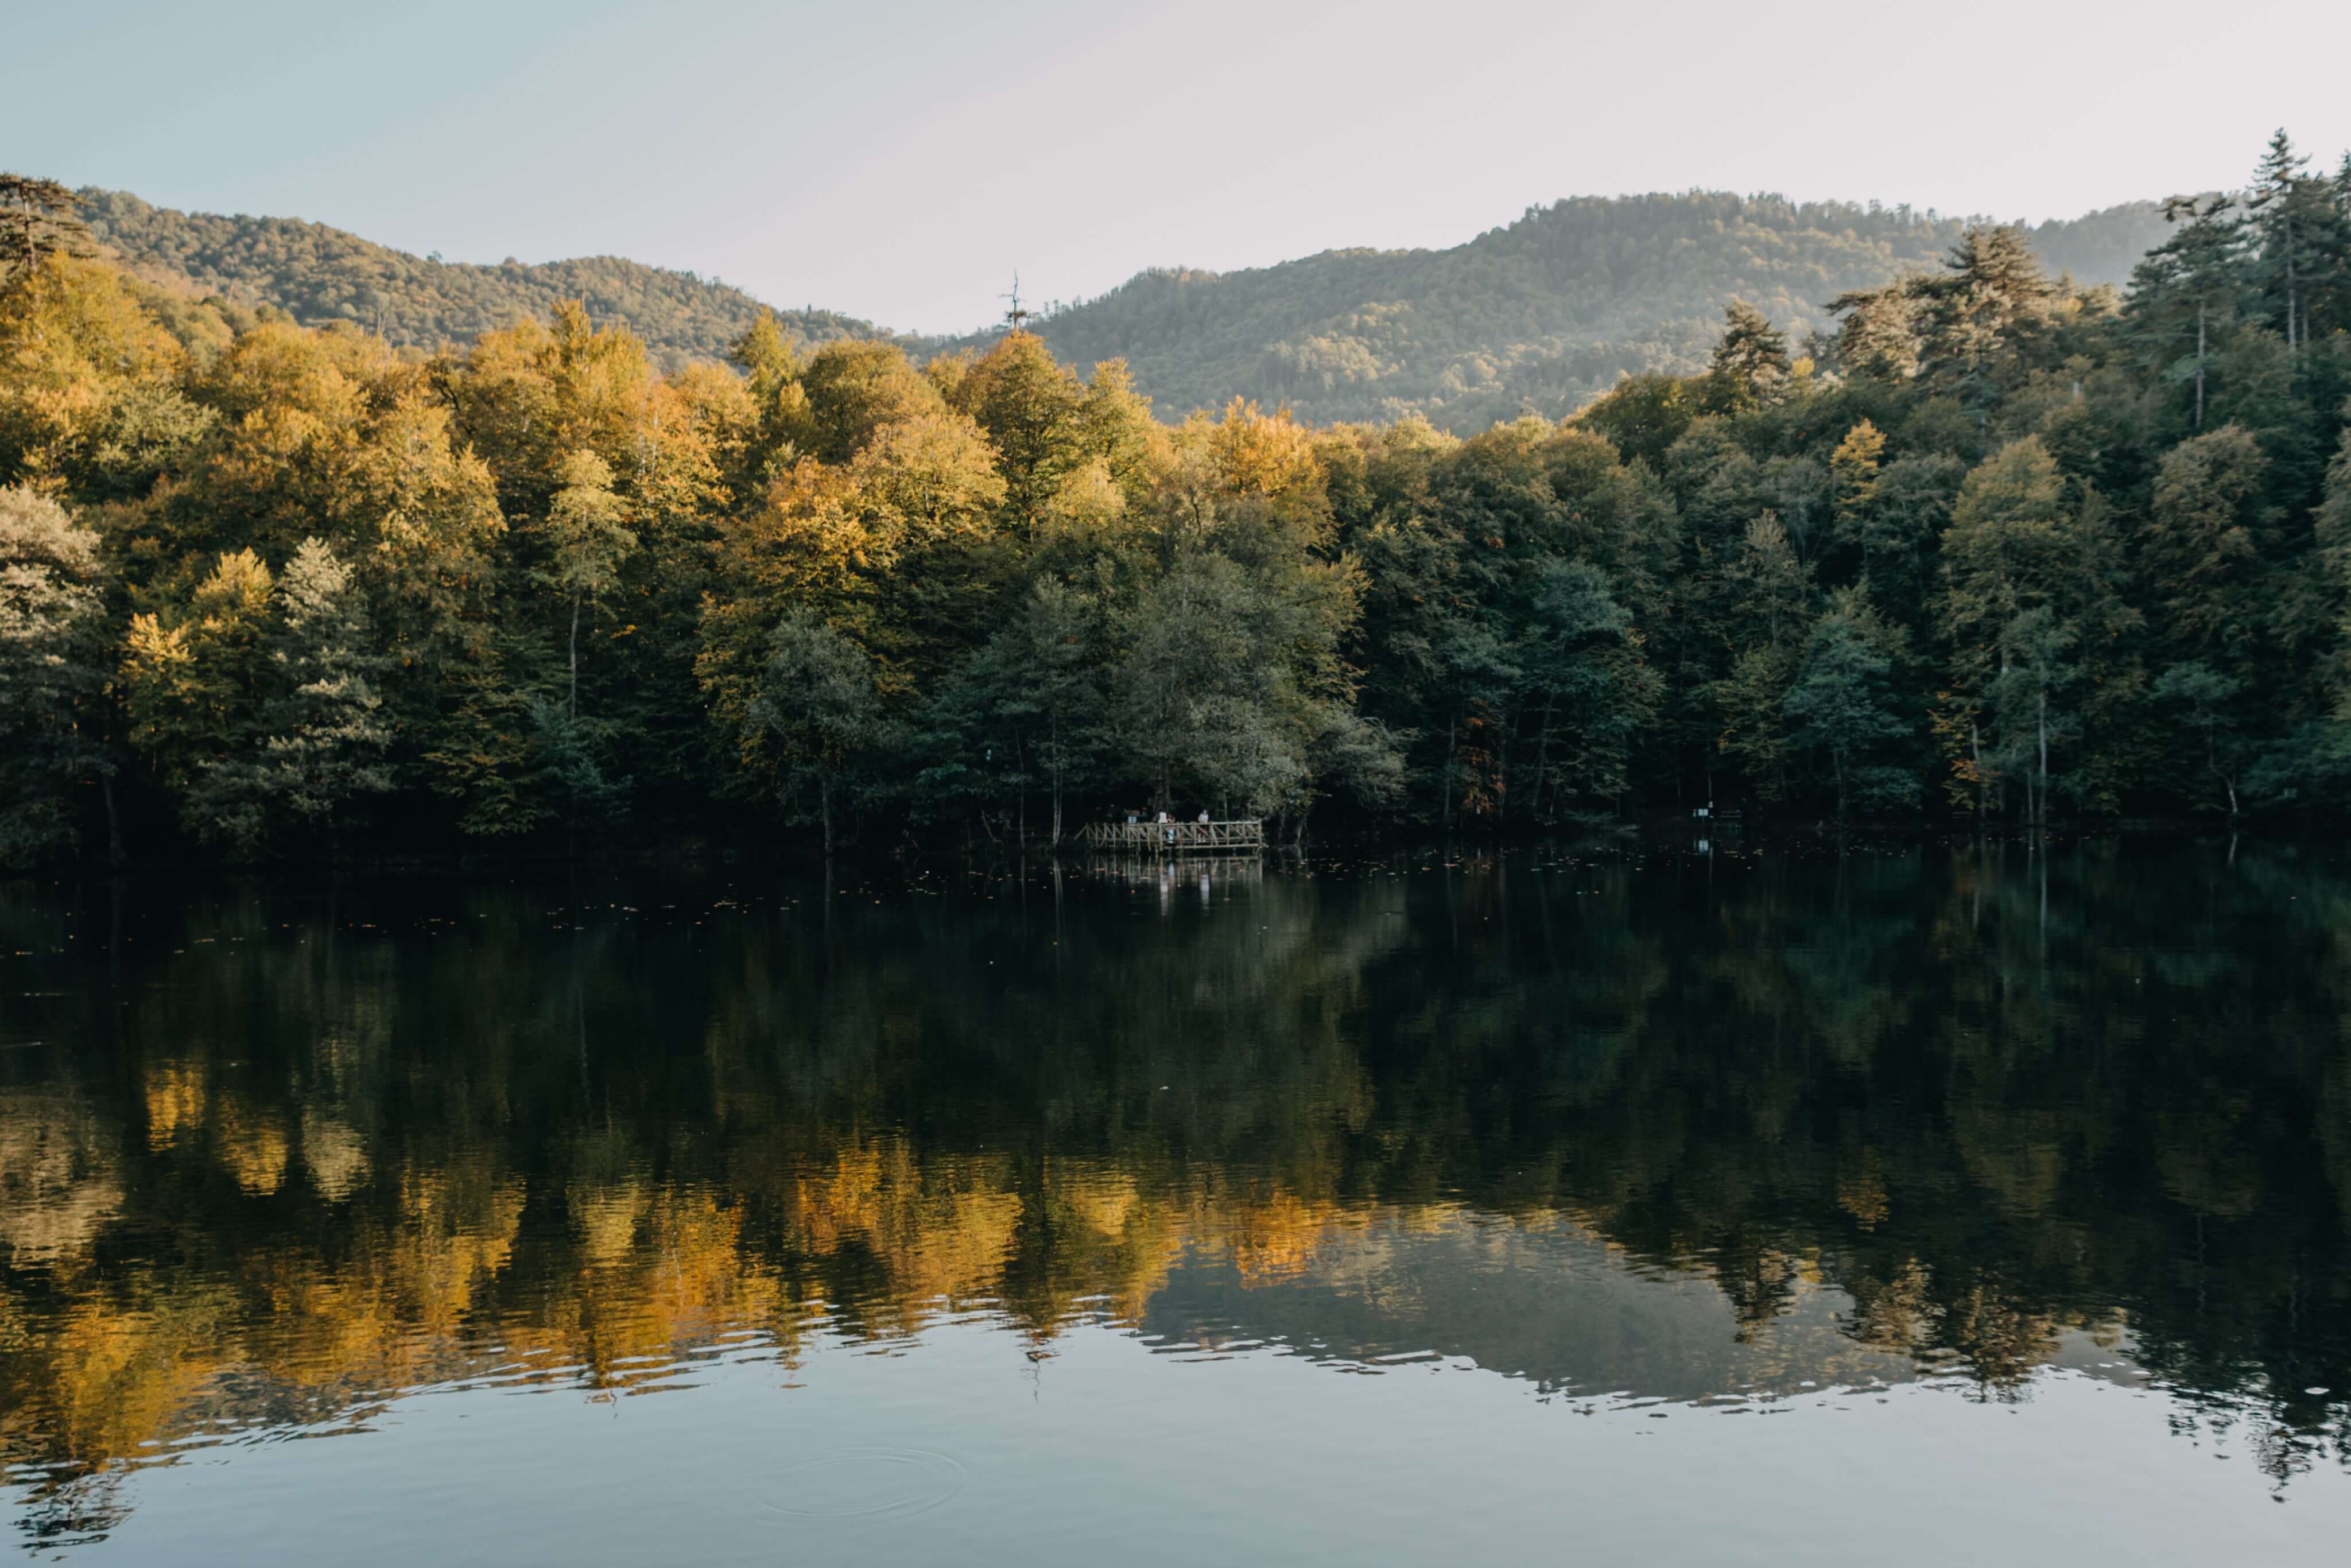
(1152, 838)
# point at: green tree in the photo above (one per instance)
(53, 671)
(1842, 703)
(2286, 205)
(1584, 660)
(2201, 541)
(319, 738)
(38, 218)
(2206, 703)
(2190, 289)
(2027, 698)
(1750, 368)
(1056, 649)
(1983, 320)
(818, 699)
(1645, 414)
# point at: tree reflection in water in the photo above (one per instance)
(1693, 1128)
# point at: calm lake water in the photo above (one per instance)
(1925, 1204)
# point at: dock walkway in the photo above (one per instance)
(1141, 836)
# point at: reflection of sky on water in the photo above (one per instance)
(1905, 1144)
(913, 1450)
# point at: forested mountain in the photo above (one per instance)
(319, 276)
(1534, 318)
(2000, 543)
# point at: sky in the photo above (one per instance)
(899, 160)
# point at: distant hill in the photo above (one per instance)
(1535, 316)
(318, 275)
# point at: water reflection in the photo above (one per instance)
(1630, 1128)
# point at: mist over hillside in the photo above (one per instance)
(1536, 315)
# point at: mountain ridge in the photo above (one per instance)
(1534, 316)
(318, 273)
(1537, 315)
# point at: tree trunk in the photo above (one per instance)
(2293, 342)
(2199, 364)
(1452, 748)
(1542, 763)
(2040, 805)
(572, 701)
(1975, 746)
(2212, 765)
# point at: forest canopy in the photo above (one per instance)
(1990, 541)
(320, 276)
(1540, 314)
(1536, 315)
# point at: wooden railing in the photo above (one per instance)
(1175, 838)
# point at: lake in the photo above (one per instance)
(1940, 1203)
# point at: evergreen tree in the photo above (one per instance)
(1983, 320)
(1750, 366)
(2284, 201)
(38, 218)
(2186, 292)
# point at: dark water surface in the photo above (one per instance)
(1932, 1205)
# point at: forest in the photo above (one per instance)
(321, 275)
(1993, 543)
(334, 1150)
(1538, 316)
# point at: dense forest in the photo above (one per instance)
(1535, 317)
(1996, 543)
(321, 1152)
(321, 275)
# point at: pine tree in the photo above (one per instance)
(1750, 366)
(39, 217)
(2282, 200)
(1981, 319)
(2189, 290)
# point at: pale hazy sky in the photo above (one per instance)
(899, 161)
